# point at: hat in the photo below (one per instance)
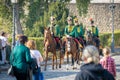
(69, 18)
(52, 18)
(76, 19)
(91, 19)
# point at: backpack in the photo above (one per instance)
(34, 65)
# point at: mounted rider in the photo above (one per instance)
(55, 30)
(95, 33)
(79, 35)
(70, 30)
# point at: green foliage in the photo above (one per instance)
(59, 10)
(35, 11)
(5, 16)
(105, 39)
(39, 12)
(82, 6)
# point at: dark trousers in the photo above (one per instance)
(0, 55)
(20, 76)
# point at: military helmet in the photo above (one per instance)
(69, 18)
(52, 18)
(76, 19)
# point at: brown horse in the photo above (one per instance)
(50, 46)
(90, 40)
(71, 48)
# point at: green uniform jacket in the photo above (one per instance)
(95, 31)
(56, 30)
(79, 31)
(70, 30)
(21, 58)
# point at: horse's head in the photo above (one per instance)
(47, 34)
(89, 35)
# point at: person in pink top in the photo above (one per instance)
(108, 62)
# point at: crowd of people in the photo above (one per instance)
(25, 50)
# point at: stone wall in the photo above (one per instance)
(101, 14)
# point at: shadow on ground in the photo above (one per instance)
(57, 74)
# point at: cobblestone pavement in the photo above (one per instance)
(62, 74)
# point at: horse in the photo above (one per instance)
(50, 46)
(90, 40)
(71, 48)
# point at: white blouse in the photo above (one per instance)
(36, 54)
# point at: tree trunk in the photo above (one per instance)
(18, 26)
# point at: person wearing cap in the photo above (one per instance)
(55, 30)
(94, 29)
(68, 31)
(95, 33)
(79, 35)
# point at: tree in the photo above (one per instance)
(82, 6)
(6, 14)
(38, 13)
(59, 10)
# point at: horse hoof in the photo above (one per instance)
(74, 68)
(59, 66)
(67, 69)
(52, 68)
(44, 69)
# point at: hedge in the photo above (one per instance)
(105, 40)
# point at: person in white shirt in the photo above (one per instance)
(35, 54)
(4, 42)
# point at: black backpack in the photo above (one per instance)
(34, 65)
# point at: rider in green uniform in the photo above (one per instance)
(68, 31)
(95, 33)
(79, 35)
(55, 30)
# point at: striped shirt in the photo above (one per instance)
(109, 64)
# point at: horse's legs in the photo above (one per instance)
(53, 61)
(72, 59)
(67, 58)
(79, 58)
(46, 58)
(56, 60)
(60, 59)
